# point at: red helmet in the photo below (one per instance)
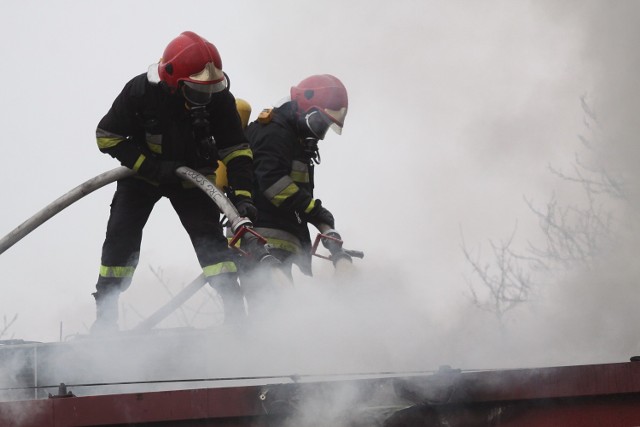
(193, 60)
(323, 93)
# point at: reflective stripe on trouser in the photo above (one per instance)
(130, 208)
(121, 272)
(210, 271)
(280, 239)
(201, 218)
(132, 204)
(283, 245)
(114, 279)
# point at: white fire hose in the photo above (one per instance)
(226, 207)
(59, 204)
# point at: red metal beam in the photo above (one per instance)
(585, 396)
(168, 407)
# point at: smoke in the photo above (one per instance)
(362, 324)
(596, 309)
(587, 313)
(457, 111)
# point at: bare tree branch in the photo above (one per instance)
(578, 234)
(574, 235)
(6, 324)
(504, 278)
(159, 274)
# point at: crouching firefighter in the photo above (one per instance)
(284, 141)
(179, 113)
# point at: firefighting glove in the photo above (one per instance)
(161, 171)
(320, 215)
(246, 208)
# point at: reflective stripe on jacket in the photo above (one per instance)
(283, 175)
(147, 122)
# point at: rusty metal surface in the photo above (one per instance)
(218, 406)
(524, 384)
(593, 395)
(596, 411)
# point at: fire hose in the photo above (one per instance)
(241, 226)
(62, 202)
(99, 181)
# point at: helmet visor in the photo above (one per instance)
(318, 123)
(200, 93)
(337, 117)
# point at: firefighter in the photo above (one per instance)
(179, 113)
(284, 142)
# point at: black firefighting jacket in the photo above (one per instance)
(283, 183)
(147, 123)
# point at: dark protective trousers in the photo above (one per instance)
(132, 204)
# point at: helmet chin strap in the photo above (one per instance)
(309, 138)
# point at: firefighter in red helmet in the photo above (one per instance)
(179, 113)
(284, 142)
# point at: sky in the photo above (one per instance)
(456, 111)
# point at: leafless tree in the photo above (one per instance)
(596, 180)
(574, 234)
(6, 325)
(505, 279)
(577, 234)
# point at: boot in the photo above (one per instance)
(232, 299)
(264, 287)
(106, 313)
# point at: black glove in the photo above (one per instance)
(320, 215)
(161, 171)
(246, 208)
